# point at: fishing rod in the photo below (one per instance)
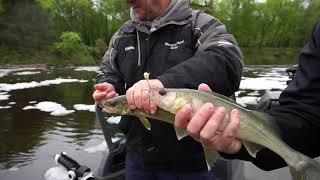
(57, 2)
(75, 170)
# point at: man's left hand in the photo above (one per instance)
(138, 95)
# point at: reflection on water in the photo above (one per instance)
(35, 125)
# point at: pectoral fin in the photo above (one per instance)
(145, 122)
(181, 133)
(252, 148)
(210, 155)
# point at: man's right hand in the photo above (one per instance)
(203, 125)
(103, 92)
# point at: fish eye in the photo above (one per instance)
(162, 92)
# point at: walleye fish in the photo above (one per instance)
(119, 106)
(257, 130)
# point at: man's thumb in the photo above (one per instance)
(204, 87)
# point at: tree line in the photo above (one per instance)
(265, 23)
(43, 26)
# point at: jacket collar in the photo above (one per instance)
(178, 13)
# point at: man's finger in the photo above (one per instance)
(210, 128)
(199, 120)
(101, 86)
(183, 116)
(137, 96)
(204, 87)
(145, 101)
(99, 95)
(104, 87)
(228, 136)
(232, 128)
(111, 94)
(130, 98)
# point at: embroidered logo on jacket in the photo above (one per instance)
(175, 45)
(129, 48)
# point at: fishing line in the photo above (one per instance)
(148, 53)
(146, 74)
(57, 2)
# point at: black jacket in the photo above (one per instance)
(298, 115)
(182, 50)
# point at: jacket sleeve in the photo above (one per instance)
(298, 116)
(217, 61)
(110, 73)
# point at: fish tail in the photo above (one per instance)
(305, 169)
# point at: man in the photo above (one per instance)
(180, 48)
(298, 115)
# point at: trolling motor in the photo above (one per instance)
(75, 170)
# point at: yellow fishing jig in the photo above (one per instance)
(146, 76)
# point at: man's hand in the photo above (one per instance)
(103, 92)
(203, 125)
(138, 95)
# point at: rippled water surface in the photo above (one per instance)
(46, 111)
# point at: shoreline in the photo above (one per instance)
(11, 66)
(252, 56)
(39, 66)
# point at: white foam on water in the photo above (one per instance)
(5, 72)
(254, 93)
(14, 169)
(94, 149)
(262, 83)
(55, 109)
(84, 107)
(4, 96)
(27, 73)
(267, 79)
(88, 68)
(5, 107)
(247, 100)
(56, 173)
(33, 84)
(114, 120)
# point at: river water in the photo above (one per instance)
(44, 111)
